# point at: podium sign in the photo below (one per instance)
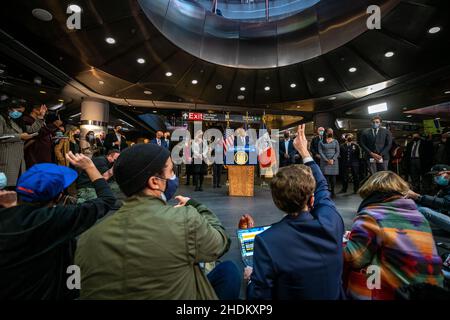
(241, 181)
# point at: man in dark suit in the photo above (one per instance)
(159, 140)
(115, 139)
(377, 142)
(287, 151)
(350, 157)
(314, 147)
(418, 160)
(312, 268)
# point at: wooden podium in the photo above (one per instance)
(241, 181)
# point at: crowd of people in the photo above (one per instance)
(148, 248)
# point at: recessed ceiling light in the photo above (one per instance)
(42, 92)
(298, 107)
(267, 88)
(332, 98)
(61, 100)
(154, 111)
(141, 60)
(293, 85)
(75, 8)
(437, 119)
(389, 54)
(194, 81)
(352, 69)
(219, 87)
(148, 92)
(321, 79)
(101, 82)
(242, 88)
(110, 40)
(42, 14)
(409, 116)
(169, 74)
(447, 92)
(241, 97)
(434, 30)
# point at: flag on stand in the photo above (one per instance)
(266, 152)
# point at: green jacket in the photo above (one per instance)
(151, 250)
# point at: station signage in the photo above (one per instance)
(220, 117)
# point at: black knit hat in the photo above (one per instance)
(137, 164)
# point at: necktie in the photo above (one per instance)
(414, 150)
(159, 143)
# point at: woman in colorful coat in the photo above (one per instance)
(390, 244)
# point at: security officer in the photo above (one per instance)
(350, 159)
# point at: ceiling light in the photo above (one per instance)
(141, 60)
(332, 98)
(101, 82)
(389, 54)
(298, 107)
(42, 92)
(377, 108)
(434, 30)
(447, 92)
(267, 88)
(61, 100)
(219, 87)
(242, 88)
(437, 119)
(154, 111)
(110, 40)
(321, 79)
(148, 92)
(293, 85)
(75, 8)
(409, 116)
(241, 97)
(169, 74)
(352, 69)
(194, 81)
(42, 14)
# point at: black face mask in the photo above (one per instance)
(329, 135)
(349, 139)
(416, 139)
(76, 136)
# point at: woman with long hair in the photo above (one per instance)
(390, 244)
(12, 137)
(66, 144)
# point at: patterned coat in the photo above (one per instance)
(12, 161)
(396, 238)
(329, 151)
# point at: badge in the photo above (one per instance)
(241, 158)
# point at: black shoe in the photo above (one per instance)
(343, 191)
(200, 189)
(197, 189)
(219, 186)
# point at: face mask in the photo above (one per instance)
(375, 125)
(15, 114)
(329, 135)
(321, 133)
(171, 188)
(3, 181)
(441, 181)
(349, 139)
(76, 136)
(416, 139)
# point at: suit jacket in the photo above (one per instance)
(379, 144)
(425, 155)
(291, 152)
(310, 269)
(355, 154)
(163, 143)
(111, 138)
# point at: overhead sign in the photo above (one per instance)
(431, 126)
(219, 117)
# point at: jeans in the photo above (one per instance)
(437, 218)
(226, 280)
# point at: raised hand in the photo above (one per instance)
(301, 143)
(80, 161)
(8, 199)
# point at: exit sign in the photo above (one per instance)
(193, 116)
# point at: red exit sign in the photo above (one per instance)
(193, 116)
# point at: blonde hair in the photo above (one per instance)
(383, 181)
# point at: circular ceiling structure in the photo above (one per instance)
(253, 35)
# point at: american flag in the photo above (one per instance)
(229, 139)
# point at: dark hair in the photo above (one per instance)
(112, 151)
(8, 104)
(292, 187)
(377, 117)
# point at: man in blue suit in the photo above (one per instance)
(159, 140)
(287, 151)
(299, 257)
